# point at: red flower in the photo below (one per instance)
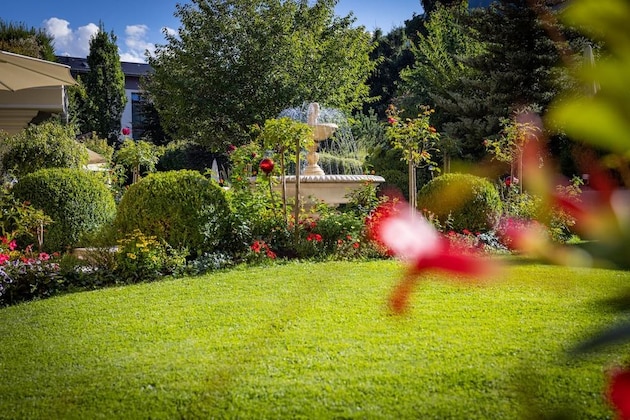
(392, 120)
(12, 245)
(230, 149)
(126, 131)
(271, 254)
(411, 237)
(356, 245)
(256, 247)
(314, 237)
(466, 232)
(618, 392)
(4, 258)
(266, 165)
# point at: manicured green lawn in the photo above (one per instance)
(312, 341)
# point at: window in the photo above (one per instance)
(138, 115)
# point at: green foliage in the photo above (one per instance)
(516, 66)
(137, 155)
(471, 202)
(19, 39)
(183, 208)
(145, 258)
(185, 154)
(46, 145)
(391, 55)
(18, 219)
(438, 58)
(237, 63)
(78, 202)
(104, 87)
(600, 119)
(100, 146)
(416, 138)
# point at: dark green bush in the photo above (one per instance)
(47, 145)
(469, 201)
(186, 155)
(183, 208)
(77, 200)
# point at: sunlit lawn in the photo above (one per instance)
(312, 341)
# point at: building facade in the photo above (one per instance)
(133, 114)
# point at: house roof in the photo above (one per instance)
(79, 65)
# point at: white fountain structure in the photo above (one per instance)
(317, 186)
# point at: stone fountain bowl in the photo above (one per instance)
(331, 189)
(323, 131)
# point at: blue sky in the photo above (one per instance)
(139, 24)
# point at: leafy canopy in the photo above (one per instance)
(235, 63)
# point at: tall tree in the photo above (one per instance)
(516, 69)
(438, 69)
(19, 39)
(104, 87)
(438, 65)
(235, 63)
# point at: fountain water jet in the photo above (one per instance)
(315, 184)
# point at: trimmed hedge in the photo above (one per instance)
(78, 201)
(46, 145)
(183, 208)
(469, 201)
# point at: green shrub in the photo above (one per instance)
(185, 154)
(183, 208)
(47, 145)
(144, 258)
(469, 201)
(78, 202)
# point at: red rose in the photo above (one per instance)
(266, 165)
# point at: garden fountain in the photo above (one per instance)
(315, 184)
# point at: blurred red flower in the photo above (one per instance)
(618, 392)
(411, 237)
(126, 131)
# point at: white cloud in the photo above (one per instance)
(76, 42)
(68, 41)
(169, 31)
(137, 44)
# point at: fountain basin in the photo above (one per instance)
(331, 189)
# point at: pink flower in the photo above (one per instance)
(43, 256)
(618, 392)
(411, 237)
(12, 245)
(4, 258)
(392, 120)
(126, 131)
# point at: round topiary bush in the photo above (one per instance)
(78, 201)
(46, 145)
(469, 201)
(183, 208)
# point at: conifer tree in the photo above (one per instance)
(515, 70)
(104, 86)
